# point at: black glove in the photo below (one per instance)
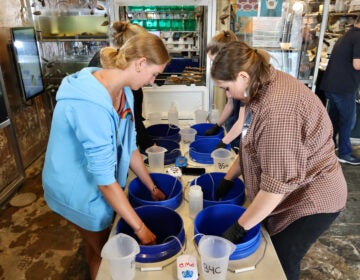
(215, 129)
(223, 188)
(235, 233)
(221, 144)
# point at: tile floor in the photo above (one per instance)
(36, 244)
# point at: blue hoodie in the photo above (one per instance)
(89, 145)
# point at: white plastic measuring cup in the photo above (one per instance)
(221, 159)
(120, 250)
(214, 254)
(187, 135)
(156, 157)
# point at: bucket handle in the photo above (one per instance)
(193, 240)
(175, 150)
(178, 240)
(171, 126)
(256, 262)
(173, 187)
(213, 186)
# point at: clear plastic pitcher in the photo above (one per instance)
(214, 254)
(187, 135)
(201, 116)
(120, 250)
(156, 157)
(221, 159)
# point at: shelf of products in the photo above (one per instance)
(291, 34)
(339, 23)
(341, 17)
(69, 33)
(180, 27)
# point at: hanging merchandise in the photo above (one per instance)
(354, 6)
(339, 6)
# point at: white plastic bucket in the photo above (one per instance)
(214, 254)
(187, 135)
(156, 157)
(221, 159)
(120, 250)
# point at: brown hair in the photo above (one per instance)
(144, 44)
(125, 30)
(219, 40)
(237, 56)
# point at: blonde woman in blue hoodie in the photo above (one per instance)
(92, 143)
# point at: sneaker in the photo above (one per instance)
(350, 160)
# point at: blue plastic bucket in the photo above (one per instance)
(200, 150)
(171, 186)
(214, 220)
(173, 150)
(164, 132)
(168, 227)
(201, 129)
(209, 183)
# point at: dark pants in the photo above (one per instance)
(293, 242)
(342, 112)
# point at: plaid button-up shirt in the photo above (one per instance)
(288, 149)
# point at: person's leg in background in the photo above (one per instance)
(333, 114)
(293, 242)
(342, 112)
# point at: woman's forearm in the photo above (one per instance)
(237, 127)
(234, 171)
(261, 207)
(118, 200)
(226, 113)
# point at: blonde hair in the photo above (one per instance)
(124, 30)
(237, 56)
(219, 40)
(144, 44)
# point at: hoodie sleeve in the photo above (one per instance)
(95, 129)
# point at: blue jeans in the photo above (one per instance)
(342, 112)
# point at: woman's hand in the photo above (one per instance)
(145, 235)
(157, 194)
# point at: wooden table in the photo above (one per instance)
(263, 264)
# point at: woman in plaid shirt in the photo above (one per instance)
(287, 159)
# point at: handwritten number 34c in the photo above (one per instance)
(211, 269)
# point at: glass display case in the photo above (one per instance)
(290, 30)
(69, 33)
(185, 29)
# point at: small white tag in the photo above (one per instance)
(187, 267)
(174, 171)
